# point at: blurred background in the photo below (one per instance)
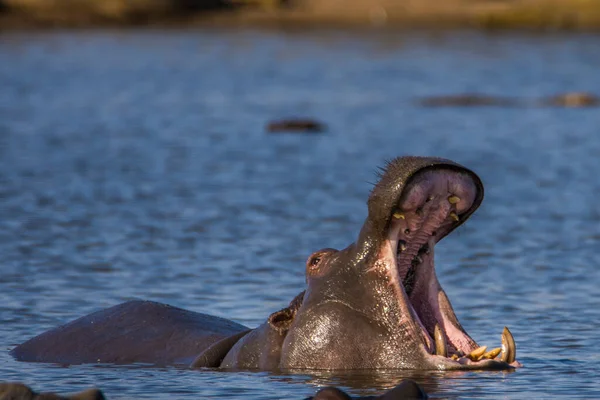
(487, 14)
(196, 152)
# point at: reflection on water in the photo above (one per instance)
(135, 164)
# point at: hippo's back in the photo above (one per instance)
(133, 332)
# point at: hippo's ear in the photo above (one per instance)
(282, 320)
(213, 356)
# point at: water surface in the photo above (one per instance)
(134, 164)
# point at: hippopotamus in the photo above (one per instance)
(377, 304)
(407, 389)
(19, 391)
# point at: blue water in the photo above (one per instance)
(135, 164)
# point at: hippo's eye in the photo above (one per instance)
(314, 261)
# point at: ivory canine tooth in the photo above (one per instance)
(441, 348)
(453, 199)
(454, 216)
(399, 215)
(402, 245)
(476, 354)
(509, 348)
(490, 355)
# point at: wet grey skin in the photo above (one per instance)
(376, 304)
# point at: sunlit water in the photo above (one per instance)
(136, 165)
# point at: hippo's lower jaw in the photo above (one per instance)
(429, 208)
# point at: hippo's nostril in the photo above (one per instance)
(419, 212)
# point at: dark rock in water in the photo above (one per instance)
(468, 100)
(572, 99)
(18, 391)
(408, 389)
(296, 125)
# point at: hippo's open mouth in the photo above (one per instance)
(434, 203)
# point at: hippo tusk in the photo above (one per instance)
(509, 348)
(441, 347)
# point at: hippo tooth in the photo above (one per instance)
(492, 353)
(398, 215)
(402, 245)
(441, 348)
(476, 354)
(454, 216)
(509, 349)
(453, 199)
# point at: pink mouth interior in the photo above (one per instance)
(428, 209)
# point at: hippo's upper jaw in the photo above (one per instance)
(378, 303)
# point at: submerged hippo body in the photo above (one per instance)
(376, 304)
(133, 332)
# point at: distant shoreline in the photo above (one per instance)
(533, 15)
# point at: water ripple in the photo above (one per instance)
(135, 165)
